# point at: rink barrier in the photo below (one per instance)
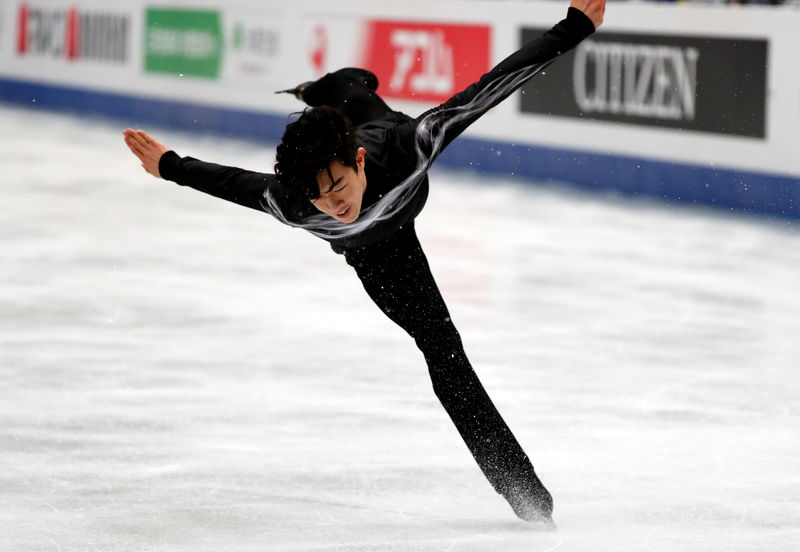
(737, 191)
(133, 110)
(721, 131)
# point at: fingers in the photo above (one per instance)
(600, 13)
(134, 146)
(146, 137)
(146, 148)
(138, 137)
(142, 144)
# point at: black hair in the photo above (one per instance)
(309, 144)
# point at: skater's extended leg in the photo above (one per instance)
(397, 277)
(351, 90)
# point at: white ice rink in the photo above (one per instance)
(182, 374)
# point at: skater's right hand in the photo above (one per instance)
(146, 148)
(593, 9)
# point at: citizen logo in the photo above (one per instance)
(639, 80)
(707, 84)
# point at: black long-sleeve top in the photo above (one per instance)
(397, 146)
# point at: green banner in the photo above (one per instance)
(183, 42)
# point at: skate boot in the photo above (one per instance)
(530, 501)
(297, 91)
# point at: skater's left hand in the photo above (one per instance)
(146, 148)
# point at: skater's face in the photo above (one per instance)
(341, 189)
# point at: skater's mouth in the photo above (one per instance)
(344, 213)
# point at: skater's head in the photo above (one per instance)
(319, 159)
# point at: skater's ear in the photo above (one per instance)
(361, 154)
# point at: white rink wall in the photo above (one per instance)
(689, 103)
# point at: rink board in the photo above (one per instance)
(641, 108)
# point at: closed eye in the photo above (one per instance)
(337, 185)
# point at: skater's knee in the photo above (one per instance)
(440, 347)
(434, 334)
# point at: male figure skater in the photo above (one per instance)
(364, 167)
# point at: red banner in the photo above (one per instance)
(73, 31)
(22, 29)
(424, 61)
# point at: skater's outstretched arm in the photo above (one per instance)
(229, 183)
(451, 118)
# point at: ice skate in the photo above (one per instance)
(531, 502)
(297, 91)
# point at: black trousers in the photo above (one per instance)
(396, 275)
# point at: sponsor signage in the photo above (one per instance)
(424, 61)
(183, 42)
(73, 34)
(318, 49)
(252, 46)
(326, 44)
(708, 84)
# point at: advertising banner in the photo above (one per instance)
(713, 85)
(325, 42)
(71, 34)
(414, 61)
(426, 61)
(696, 103)
(253, 46)
(183, 42)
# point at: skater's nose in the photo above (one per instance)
(335, 202)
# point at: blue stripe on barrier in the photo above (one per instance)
(135, 110)
(739, 191)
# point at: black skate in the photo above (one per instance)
(297, 91)
(531, 501)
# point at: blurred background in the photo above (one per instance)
(694, 102)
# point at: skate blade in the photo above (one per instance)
(550, 525)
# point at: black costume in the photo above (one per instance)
(388, 257)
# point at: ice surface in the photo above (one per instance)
(182, 374)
